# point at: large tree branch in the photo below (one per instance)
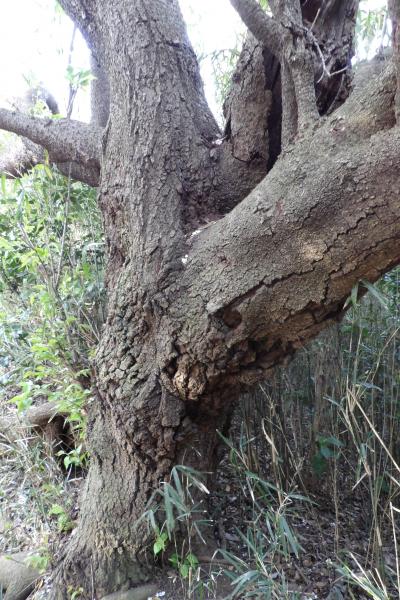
(298, 69)
(84, 14)
(265, 29)
(286, 36)
(27, 154)
(394, 8)
(259, 93)
(279, 267)
(66, 141)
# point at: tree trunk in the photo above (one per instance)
(156, 161)
(181, 337)
(133, 448)
(202, 303)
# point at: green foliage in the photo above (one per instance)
(77, 457)
(51, 293)
(75, 593)
(40, 561)
(184, 564)
(175, 505)
(371, 28)
(175, 516)
(268, 533)
(161, 542)
(64, 522)
(326, 448)
(223, 64)
(78, 78)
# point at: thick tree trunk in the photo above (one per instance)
(184, 333)
(156, 161)
(134, 444)
(194, 316)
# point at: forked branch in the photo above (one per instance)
(286, 36)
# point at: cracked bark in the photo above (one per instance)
(183, 337)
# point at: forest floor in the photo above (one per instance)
(39, 506)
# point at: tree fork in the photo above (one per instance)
(196, 316)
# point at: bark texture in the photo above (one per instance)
(216, 271)
(72, 145)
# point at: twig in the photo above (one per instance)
(315, 19)
(325, 70)
(72, 90)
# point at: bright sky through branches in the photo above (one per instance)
(35, 42)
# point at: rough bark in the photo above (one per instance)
(99, 94)
(295, 226)
(65, 140)
(58, 139)
(394, 9)
(253, 109)
(332, 25)
(156, 172)
(45, 418)
(194, 317)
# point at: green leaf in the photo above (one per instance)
(184, 570)
(326, 452)
(160, 544)
(192, 560)
(56, 509)
(174, 560)
(334, 441)
(319, 464)
(5, 244)
(375, 293)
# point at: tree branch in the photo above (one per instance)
(394, 8)
(23, 156)
(84, 14)
(287, 12)
(298, 70)
(278, 268)
(27, 154)
(285, 35)
(65, 140)
(99, 94)
(265, 29)
(289, 106)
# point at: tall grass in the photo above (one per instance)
(330, 422)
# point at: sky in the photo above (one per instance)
(35, 40)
